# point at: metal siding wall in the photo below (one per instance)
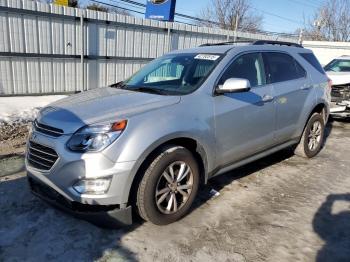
(46, 75)
(4, 35)
(6, 82)
(130, 41)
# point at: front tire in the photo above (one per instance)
(169, 186)
(312, 138)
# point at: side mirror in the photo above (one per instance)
(234, 85)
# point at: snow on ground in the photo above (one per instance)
(23, 108)
(16, 114)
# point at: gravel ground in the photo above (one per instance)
(13, 138)
(280, 208)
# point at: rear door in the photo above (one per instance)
(291, 87)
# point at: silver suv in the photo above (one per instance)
(146, 144)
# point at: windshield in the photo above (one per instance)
(176, 74)
(338, 65)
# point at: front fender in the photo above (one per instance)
(147, 132)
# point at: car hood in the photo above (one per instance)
(100, 106)
(339, 78)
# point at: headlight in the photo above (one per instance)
(97, 186)
(96, 138)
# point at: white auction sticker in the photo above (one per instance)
(207, 57)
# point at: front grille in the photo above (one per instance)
(340, 93)
(41, 157)
(48, 130)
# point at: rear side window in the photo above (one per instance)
(282, 67)
(312, 60)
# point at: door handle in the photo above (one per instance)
(267, 98)
(305, 87)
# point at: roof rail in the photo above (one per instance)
(226, 43)
(268, 42)
(258, 42)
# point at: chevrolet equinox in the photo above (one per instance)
(147, 143)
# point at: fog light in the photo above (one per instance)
(93, 186)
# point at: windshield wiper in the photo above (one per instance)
(147, 90)
(120, 85)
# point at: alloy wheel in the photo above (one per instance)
(315, 135)
(174, 187)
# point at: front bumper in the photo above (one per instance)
(340, 109)
(111, 216)
(71, 167)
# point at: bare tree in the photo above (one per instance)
(97, 7)
(330, 22)
(74, 3)
(108, 9)
(229, 14)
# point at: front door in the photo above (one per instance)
(244, 121)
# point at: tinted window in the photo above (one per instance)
(250, 67)
(282, 67)
(312, 60)
(300, 70)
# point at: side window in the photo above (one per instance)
(248, 66)
(282, 67)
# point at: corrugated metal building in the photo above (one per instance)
(53, 49)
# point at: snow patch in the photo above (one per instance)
(23, 108)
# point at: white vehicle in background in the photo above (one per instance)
(338, 70)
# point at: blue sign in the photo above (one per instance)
(161, 9)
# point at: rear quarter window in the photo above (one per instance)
(312, 60)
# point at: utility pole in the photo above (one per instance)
(236, 27)
(301, 36)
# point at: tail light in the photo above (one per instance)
(330, 83)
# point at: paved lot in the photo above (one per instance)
(280, 208)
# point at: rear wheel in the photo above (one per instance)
(169, 186)
(312, 138)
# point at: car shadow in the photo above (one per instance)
(334, 228)
(328, 131)
(32, 230)
(219, 182)
(340, 119)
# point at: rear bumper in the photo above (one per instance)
(104, 216)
